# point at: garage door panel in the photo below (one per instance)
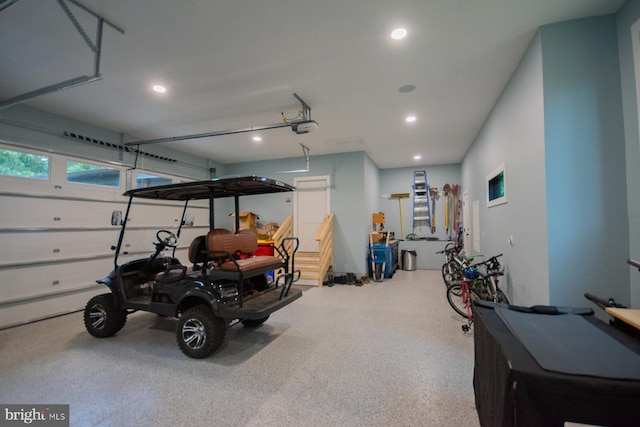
(51, 245)
(22, 283)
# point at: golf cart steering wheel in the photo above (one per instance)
(167, 238)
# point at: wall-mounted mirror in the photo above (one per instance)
(188, 220)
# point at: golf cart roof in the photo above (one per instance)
(216, 188)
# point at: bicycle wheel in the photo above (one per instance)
(481, 289)
(450, 273)
(501, 297)
(455, 299)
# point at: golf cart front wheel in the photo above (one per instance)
(102, 318)
(200, 332)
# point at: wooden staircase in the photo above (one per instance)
(312, 265)
(309, 265)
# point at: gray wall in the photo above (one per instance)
(513, 134)
(626, 17)
(585, 162)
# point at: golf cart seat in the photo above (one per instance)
(237, 250)
(197, 256)
(198, 252)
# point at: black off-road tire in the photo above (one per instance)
(102, 318)
(260, 283)
(254, 323)
(454, 297)
(200, 332)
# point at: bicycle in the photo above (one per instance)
(492, 292)
(460, 295)
(475, 284)
(455, 262)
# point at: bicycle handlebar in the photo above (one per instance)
(603, 303)
(490, 260)
(449, 249)
(634, 263)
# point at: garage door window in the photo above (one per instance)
(93, 174)
(144, 180)
(24, 165)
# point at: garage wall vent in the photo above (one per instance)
(119, 147)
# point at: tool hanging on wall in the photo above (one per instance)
(453, 209)
(458, 212)
(400, 196)
(446, 190)
(434, 195)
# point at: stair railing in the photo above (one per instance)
(284, 230)
(324, 237)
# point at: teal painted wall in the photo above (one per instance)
(400, 180)
(350, 199)
(625, 18)
(585, 162)
(513, 134)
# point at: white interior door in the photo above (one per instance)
(311, 205)
(466, 223)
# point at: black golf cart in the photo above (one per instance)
(222, 282)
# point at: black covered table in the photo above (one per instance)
(543, 371)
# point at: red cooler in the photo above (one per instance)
(265, 247)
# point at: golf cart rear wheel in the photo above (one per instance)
(102, 318)
(254, 323)
(200, 332)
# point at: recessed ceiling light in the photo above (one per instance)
(159, 88)
(257, 138)
(417, 157)
(406, 88)
(411, 119)
(398, 33)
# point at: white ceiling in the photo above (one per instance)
(236, 64)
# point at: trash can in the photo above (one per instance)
(409, 259)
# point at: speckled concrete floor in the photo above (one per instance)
(384, 354)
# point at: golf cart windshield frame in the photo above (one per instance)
(201, 190)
